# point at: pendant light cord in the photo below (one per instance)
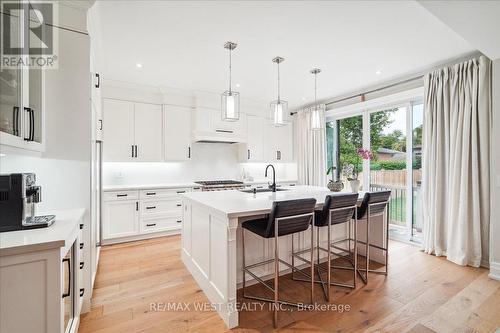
(278, 82)
(315, 90)
(230, 68)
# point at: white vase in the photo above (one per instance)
(354, 185)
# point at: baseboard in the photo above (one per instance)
(494, 271)
(176, 231)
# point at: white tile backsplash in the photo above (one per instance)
(209, 162)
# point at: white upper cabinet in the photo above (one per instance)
(177, 138)
(119, 131)
(148, 132)
(133, 131)
(253, 150)
(278, 143)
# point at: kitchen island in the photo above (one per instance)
(211, 240)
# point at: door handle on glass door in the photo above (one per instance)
(27, 110)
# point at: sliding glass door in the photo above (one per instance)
(394, 136)
(388, 170)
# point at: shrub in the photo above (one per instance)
(393, 165)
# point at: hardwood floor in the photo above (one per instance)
(421, 294)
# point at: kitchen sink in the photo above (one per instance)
(259, 190)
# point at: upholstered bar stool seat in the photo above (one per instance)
(337, 209)
(286, 218)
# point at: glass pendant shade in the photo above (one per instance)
(316, 123)
(230, 103)
(279, 113)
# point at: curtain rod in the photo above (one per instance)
(419, 77)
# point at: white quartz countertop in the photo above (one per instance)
(148, 186)
(237, 204)
(57, 235)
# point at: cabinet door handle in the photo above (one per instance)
(151, 193)
(81, 226)
(82, 292)
(137, 205)
(179, 205)
(98, 84)
(179, 221)
(150, 225)
(82, 264)
(248, 154)
(66, 294)
(181, 191)
(121, 195)
(27, 110)
(132, 150)
(81, 246)
(151, 207)
(100, 124)
(32, 125)
(224, 131)
(189, 152)
(15, 119)
(136, 151)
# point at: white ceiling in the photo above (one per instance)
(476, 21)
(180, 44)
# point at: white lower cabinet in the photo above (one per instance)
(136, 214)
(120, 219)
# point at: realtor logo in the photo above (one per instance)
(28, 34)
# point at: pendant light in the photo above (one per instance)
(316, 123)
(230, 100)
(279, 108)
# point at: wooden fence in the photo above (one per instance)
(393, 177)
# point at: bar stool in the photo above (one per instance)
(374, 204)
(286, 218)
(337, 209)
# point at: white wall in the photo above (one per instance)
(495, 177)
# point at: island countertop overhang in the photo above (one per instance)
(235, 203)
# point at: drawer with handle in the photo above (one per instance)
(165, 207)
(120, 195)
(160, 224)
(162, 193)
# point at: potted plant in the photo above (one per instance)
(334, 186)
(350, 170)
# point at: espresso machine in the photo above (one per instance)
(19, 195)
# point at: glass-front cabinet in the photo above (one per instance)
(21, 97)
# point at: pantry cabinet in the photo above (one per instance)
(133, 131)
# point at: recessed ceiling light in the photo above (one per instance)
(138, 65)
(303, 98)
(237, 85)
(378, 72)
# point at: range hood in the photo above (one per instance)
(217, 136)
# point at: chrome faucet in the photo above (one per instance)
(273, 185)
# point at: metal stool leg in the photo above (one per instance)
(243, 260)
(276, 274)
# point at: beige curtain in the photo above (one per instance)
(311, 151)
(456, 159)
